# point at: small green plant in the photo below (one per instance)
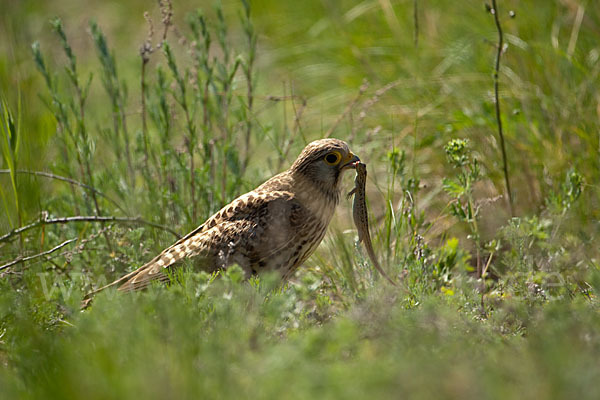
(570, 190)
(463, 205)
(11, 139)
(538, 265)
(117, 93)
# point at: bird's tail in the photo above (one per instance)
(154, 270)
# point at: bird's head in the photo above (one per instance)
(323, 162)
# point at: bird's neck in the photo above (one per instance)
(320, 199)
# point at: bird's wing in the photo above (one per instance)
(249, 229)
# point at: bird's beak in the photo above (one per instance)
(350, 161)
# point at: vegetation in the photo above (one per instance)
(121, 130)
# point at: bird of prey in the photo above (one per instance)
(276, 226)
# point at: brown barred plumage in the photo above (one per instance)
(277, 226)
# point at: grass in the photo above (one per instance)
(160, 120)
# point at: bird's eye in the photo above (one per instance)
(333, 158)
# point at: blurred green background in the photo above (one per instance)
(398, 83)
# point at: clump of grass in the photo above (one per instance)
(463, 205)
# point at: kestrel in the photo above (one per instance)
(275, 227)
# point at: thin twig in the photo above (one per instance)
(487, 265)
(23, 259)
(416, 21)
(166, 10)
(90, 218)
(483, 275)
(285, 125)
(65, 179)
(298, 114)
(297, 117)
(251, 36)
(370, 102)
(297, 128)
(575, 31)
(145, 52)
(348, 109)
(494, 11)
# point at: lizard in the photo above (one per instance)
(361, 218)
